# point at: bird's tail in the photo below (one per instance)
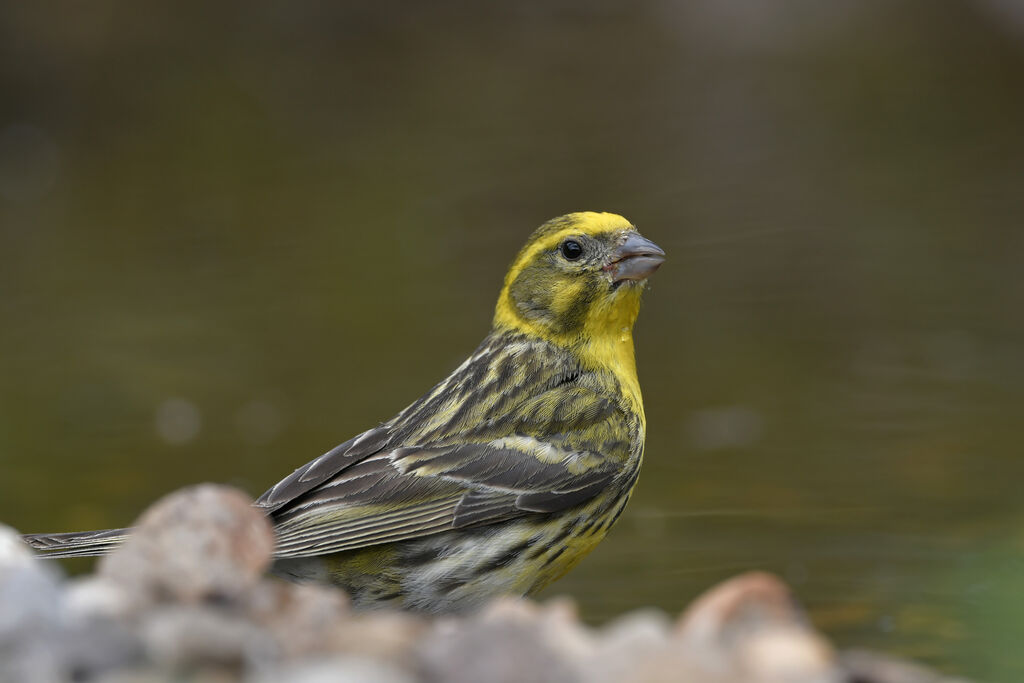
(77, 543)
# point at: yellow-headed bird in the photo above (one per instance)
(503, 476)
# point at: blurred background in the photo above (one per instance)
(234, 235)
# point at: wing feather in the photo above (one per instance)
(417, 492)
(322, 469)
(552, 446)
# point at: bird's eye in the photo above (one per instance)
(571, 250)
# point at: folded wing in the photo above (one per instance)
(565, 446)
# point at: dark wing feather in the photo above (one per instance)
(408, 493)
(316, 472)
(78, 543)
(504, 436)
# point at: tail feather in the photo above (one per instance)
(77, 543)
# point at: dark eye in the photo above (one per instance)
(571, 250)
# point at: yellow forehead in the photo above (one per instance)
(595, 223)
(584, 222)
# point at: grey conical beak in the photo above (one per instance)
(635, 259)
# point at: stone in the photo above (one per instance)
(505, 643)
(626, 645)
(95, 597)
(29, 595)
(562, 630)
(98, 646)
(750, 628)
(639, 629)
(183, 637)
(871, 667)
(303, 618)
(138, 674)
(186, 599)
(14, 553)
(391, 636)
(30, 614)
(336, 670)
(205, 542)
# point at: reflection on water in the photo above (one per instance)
(229, 241)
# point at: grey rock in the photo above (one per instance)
(504, 644)
(302, 618)
(185, 600)
(178, 638)
(14, 553)
(390, 636)
(336, 670)
(99, 634)
(200, 543)
(138, 674)
(641, 629)
(559, 624)
(30, 597)
(871, 667)
(95, 597)
(99, 646)
(31, 623)
(34, 661)
(627, 644)
(750, 628)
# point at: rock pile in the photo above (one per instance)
(186, 599)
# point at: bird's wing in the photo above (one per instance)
(316, 472)
(559, 449)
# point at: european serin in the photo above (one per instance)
(504, 475)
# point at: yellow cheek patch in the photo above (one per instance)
(566, 295)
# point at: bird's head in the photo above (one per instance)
(579, 276)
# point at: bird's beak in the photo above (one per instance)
(635, 259)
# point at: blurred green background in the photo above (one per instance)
(232, 236)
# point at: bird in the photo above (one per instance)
(504, 475)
